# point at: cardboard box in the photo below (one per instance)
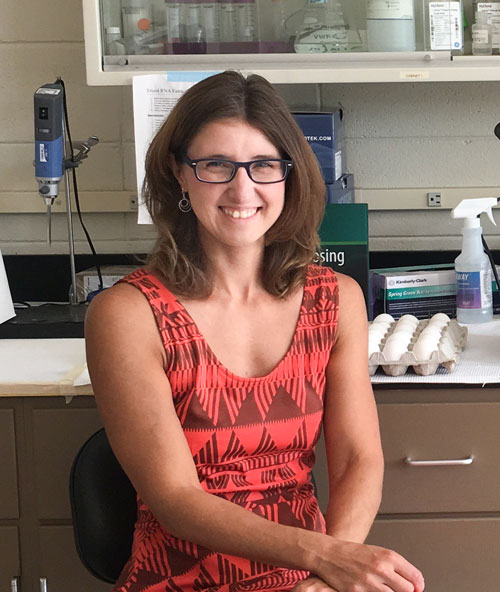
(419, 290)
(87, 281)
(342, 191)
(325, 133)
(344, 241)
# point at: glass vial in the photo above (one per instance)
(390, 25)
(482, 35)
(279, 19)
(136, 17)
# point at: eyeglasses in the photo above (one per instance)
(220, 170)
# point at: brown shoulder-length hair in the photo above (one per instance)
(290, 244)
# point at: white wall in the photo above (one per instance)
(399, 136)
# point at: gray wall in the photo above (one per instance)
(399, 137)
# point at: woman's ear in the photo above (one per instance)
(177, 169)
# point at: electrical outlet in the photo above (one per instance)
(433, 200)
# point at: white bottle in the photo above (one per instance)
(390, 25)
(227, 21)
(482, 35)
(113, 44)
(323, 29)
(210, 20)
(279, 19)
(174, 20)
(472, 266)
(136, 17)
(444, 26)
(246, 18)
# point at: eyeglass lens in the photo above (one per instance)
(260, 171)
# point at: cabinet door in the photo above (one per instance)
(454, 555)
(60, 564)
(8, 484)
(57, 436)
(441, 432)
(9, 556)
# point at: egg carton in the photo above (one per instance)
(446, 353)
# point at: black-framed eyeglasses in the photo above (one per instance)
(221, 170)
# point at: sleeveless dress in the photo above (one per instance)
(252, 441)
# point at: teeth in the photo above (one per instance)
(239, 213)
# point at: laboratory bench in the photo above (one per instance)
(444, 515)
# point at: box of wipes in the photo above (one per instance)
(418, 290)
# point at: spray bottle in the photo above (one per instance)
(472, 266)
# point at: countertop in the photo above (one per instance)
(47, 367)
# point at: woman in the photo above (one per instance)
(215, 367)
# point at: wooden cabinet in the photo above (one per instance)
(442, 514)
(39, 438)
(443, 517)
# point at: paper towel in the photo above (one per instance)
(6, 305)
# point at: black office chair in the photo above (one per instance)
(103, 507)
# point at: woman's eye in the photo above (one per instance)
(215, 164)
(264, 164)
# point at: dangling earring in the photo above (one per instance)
(184, 203)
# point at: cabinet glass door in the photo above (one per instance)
(195, 27)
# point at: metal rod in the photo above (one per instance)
(440, 463)
(49, 224)
(73, 299)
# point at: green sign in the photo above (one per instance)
(344, 241)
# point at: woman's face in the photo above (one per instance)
(238, 213)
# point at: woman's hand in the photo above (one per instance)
(367, 568)
(312, 584)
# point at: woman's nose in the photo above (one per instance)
(242, 181)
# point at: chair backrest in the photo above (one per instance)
(103, 507)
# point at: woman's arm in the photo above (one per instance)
(126, 363)
(354, 452)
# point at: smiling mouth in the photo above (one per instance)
(237, 214)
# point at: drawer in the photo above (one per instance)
(8, 482)
(453, 555)
(443, 432)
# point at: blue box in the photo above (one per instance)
(325, 133)
(342, 191)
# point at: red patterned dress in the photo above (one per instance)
(252, 440)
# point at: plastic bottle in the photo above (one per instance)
(246, 18)
(323, 29)
(472, 266)
(210, 19)
(113, 41)
(228, 21)
(279, 18)
(390, 26)
(136, 17)
(444, 26)
(482, 35)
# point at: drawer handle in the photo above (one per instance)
(440, 463)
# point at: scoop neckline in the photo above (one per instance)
(220, 365)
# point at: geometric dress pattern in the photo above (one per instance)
(252, 440)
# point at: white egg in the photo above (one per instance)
(437, 323)
(441, 317)
(409, 317)
(373, 347)
(403, 330)
(378, 327)
(394, 350)
(424, 346)
(431, 330)
(383, 318)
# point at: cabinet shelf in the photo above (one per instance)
(287, 68)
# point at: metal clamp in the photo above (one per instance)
(440, 463)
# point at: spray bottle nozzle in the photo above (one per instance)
(470, 209)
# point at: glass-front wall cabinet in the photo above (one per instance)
(142, 34)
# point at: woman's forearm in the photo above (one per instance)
(223, 526)
(354, 501)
